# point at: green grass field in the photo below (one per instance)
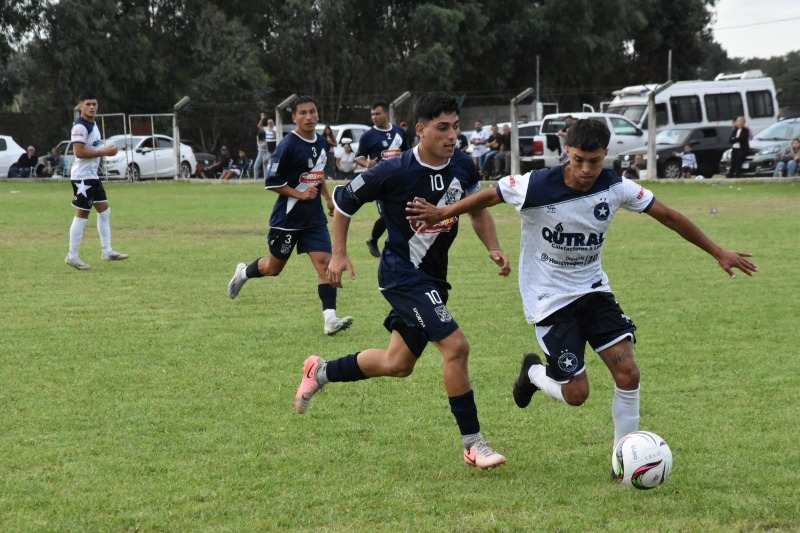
(137, 397)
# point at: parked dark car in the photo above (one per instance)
(765, 148)
(708, 145)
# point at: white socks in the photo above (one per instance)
(625, 411)
(76, 236)
(329, 314)
(104, 229)
(538, 376)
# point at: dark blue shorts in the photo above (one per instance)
(420, 315)
(595, 318)
(313, 239)
(86, 193)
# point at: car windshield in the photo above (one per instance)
(673, 136)
(633, 112)
(782, 131)
(120, 142)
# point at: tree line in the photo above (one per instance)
(235, 58)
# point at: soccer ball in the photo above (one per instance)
(641, 460)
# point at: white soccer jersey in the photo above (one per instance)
(89, 134)
(563, 233)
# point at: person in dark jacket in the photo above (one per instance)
(740, 145)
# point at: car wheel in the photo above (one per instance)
(132, 172)
(672, 169)
(186, 170)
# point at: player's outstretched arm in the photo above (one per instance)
(339, 261)
(676, 221)
(423, 211)
(483, 224)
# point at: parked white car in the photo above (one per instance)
(342, 131)
(147, 156)
(625, 135)
(9, 153)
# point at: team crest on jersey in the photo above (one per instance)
(602, 211)
(567, 361)
(385, 143)
(452, 196)
(443, 314)
(310, 163)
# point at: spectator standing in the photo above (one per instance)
(266, 142)
(502, 161)
(790, 158)
(330, 150)
(565, 212)
(25, 167)
(413, 270)
(298, 219)
(87, 189)
(346, 163)
(382, 141)
(492, 149)
(688, 161)
(53, 163)
(478, 140)
(740, 146)
(562, 134)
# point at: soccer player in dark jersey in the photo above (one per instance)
(383, 141)
(298, 219)
(413, 269)
(566, 212)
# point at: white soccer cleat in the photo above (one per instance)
(309, 385)
(482, 456)
(77, 263)
(335, 325)
(113, 256)
(237, 281)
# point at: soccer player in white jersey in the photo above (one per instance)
(383, 141)
(413, 269)
(298, 219)
(566, 212)
(87, 188)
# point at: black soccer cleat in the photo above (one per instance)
(523, 388)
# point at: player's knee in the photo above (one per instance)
(627, 376)
(400, 369)
(576, 392)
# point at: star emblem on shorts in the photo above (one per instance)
(567, 361)
(82, 188)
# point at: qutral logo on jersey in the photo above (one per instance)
(563, 240)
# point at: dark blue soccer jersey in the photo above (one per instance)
(300, 164)
(382, 144)
(410, 256)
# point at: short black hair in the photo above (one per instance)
(430, 105)
(87, 95)
(384, 105)
(305, 99)
(588, 135)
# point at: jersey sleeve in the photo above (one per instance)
(275, 176)
(514, 189)
(79, 134)
(635, 197)
(364, 188)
